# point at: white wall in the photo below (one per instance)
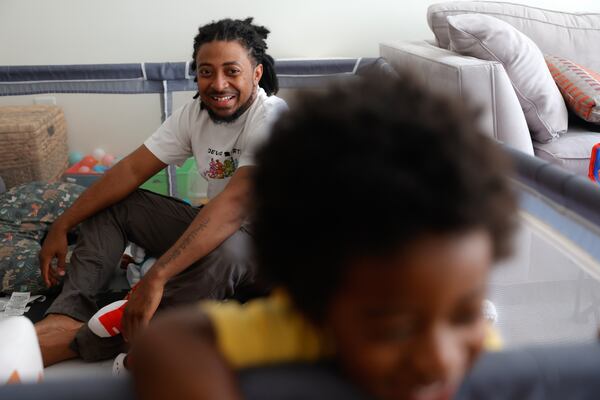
(106, 31)
(113, 31)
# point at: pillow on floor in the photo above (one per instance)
(26, 213)
(489, 38)
(37, 202)
(579, 86)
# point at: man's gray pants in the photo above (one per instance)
(153, 222)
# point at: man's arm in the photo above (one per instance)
(217, 221)
(116, 184)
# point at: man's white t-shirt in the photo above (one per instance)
(219, 148)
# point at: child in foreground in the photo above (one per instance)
(380, 210)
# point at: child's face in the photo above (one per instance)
(410, 326)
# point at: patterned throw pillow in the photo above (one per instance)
(26, 213)
(579, 86)
(37, 203)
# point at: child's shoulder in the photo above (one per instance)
(264, 331)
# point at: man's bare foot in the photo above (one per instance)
(55, 333)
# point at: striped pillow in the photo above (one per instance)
(579, 86)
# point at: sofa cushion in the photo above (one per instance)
(573, 149)
(579, 86)
(482, 84)
(489, 38)
(575, 36)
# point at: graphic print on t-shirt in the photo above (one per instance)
(222, 164)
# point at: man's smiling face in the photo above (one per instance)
(227, 79)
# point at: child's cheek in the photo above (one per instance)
(371, 364)
(477, 340)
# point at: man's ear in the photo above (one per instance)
(258, 71)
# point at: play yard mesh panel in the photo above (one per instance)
(164, 79)
(548, 292)
(33, 144)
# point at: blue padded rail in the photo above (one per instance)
(567, 202)
(532, 373)
(573, 192)
(149, 77)
(36, 73)
(164, 79)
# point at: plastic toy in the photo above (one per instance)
(594, 169)
(88, 161)
(108, 160)
(20, 357)
(88, 168)
(100, 168)
(98, 154)
(75, 157)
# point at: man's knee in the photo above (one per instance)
(218, 275)
(236, 258)
(237, 250)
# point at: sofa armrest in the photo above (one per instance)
(484, 83)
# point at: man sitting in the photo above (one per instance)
(202, 253)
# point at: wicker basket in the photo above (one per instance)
(33, 144)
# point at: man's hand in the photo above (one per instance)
(55, 246)
(143, 302)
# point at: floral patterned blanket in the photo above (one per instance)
(26, 213)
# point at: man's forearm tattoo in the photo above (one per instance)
(187, 239)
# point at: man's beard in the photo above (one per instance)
(219, 119)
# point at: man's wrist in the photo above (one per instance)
(156, 276)
(61, 225)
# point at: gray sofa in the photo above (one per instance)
(486, 83)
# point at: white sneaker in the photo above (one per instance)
(107, 320)
(118, 368)
(489, 312)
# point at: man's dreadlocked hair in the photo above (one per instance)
(252, 37)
